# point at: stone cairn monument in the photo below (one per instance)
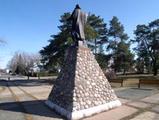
(81, 88)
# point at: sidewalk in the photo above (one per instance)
(138, 104)
(24, 100)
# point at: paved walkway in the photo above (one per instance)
(24, 100)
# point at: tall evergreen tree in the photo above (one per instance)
(100, 29)
(123, 58)
(147, 39)
(116, 34)
(119, 46)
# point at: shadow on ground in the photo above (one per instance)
(33, 82)
(36, 107)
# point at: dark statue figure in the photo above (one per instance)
(78, 19)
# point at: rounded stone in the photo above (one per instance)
(86, 106)
(89, 102)
(86, 94)
(93, 84)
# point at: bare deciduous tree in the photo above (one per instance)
(24, 63)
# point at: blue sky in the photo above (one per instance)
(26, 25)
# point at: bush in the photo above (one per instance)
(43, 74)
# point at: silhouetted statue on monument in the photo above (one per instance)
(78, 19)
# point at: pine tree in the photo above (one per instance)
(119, 46)
(147, 39)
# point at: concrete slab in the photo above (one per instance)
(6, 99)
(124, 101)
(152, 99)
(5, 93)
(115, 114)
(41, 96)
(10, 115)
(147, 116)
(37, 89)
(135, 93)
(40, 111)
(1, 88)
(139, 104)
(155, 109)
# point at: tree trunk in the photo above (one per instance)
(95, 46)
(124, 72)
(154, 68)
(155, 72)
(28, 77)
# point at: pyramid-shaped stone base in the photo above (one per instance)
(81, 89)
